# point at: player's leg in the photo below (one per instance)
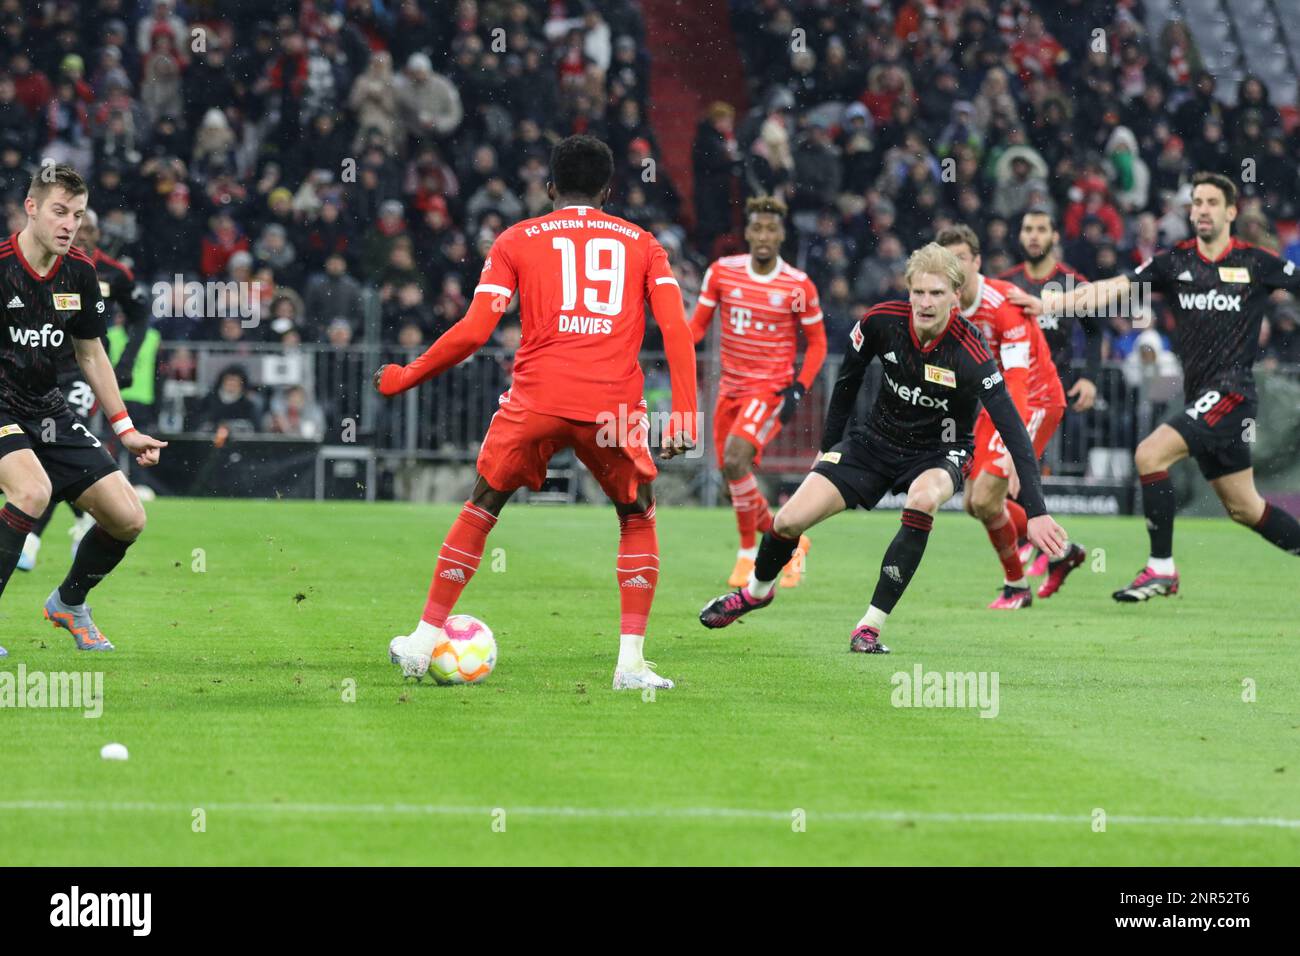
(458, 558)
(986, 502)
(1154, 456)
(625, 472)
(637, 572)
(27, 492)
(82, 522)
(32, 546)
(747, 501)
(1245, 505)
(927, 492)
(119, 521)
(515, 452)
(816, 499)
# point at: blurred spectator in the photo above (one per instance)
(224, 239)
(295, 414)
(1284, 335)
(769, 168)
(1019, 170)
(332, 293)
(716, 159)
(230, 405)
(427, 102)
(1149, 356)
(373, 99)
(1128, 174)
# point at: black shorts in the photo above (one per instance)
(865, 465)
(73, 458)
(1219, 428)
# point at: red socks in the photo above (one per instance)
(637, 569)
(752, 514)
(1002, 532)
(457, 561)
(1018, 518)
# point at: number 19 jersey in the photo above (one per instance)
(583, 277)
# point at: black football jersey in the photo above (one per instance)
(117, 287)
(1218, 307)
(929, 396)
(1059, 329)
(42, 314)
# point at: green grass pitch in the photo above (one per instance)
(230, 688)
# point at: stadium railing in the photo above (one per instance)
(444, 420)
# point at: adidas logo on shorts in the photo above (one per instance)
(637, 582)
(454, 574)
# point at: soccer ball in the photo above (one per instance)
(467, 654)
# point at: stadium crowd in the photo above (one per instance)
(349, 152)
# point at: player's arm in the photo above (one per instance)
(455, 345)
(814, 334)
(665, 297)
(86, 326)
(1013, 352)
(497, 283)
(1084, 389)
(679, 348)
(131, 297)
(1085, 299)
(853, 369)
(1278, 273)
(705, 306)
(97, 371)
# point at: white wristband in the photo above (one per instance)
(123, 425)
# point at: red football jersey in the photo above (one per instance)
(761, 315)
(1016, 342)
(583, 277)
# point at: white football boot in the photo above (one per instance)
(31, 548)
(412, 653)
(639, 678)
(79, 529)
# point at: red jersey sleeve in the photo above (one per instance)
(1013, 352)
(499, 275)
(705, 304)
(666, 303)
(808, 310)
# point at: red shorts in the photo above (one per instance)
(519, 444)
(753, 418)
(989, 449)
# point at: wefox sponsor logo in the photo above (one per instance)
(103, 909)
(1213, 300)
(46, 337)
(913, 395)
(922, 688)
(41, 690)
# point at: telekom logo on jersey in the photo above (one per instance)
(47, 336)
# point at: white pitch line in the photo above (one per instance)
(616, 813)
